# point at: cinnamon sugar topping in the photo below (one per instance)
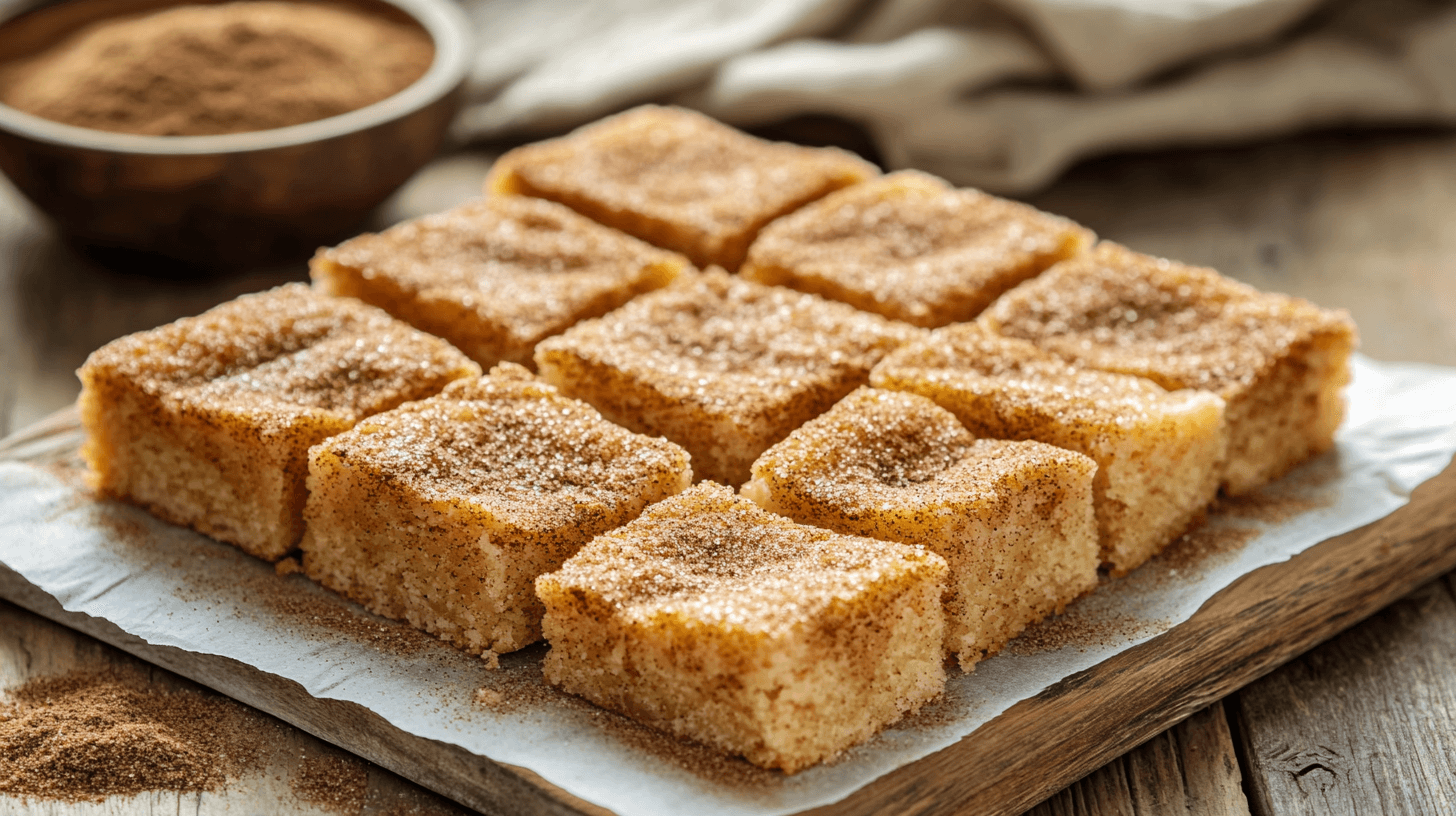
(886, 450)
(717, 559)
(1181, 326)
(909, 246)
(1159, 454)
(735, 347)
(284, 353)
(511, 444)
(1026, 386)
(495, 276)
(677, 179)
(722, 366)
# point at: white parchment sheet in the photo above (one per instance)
(173, 587)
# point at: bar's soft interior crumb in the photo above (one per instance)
(1159, 454)
(911, 247)
(677, 179)
(496, 276)
(1280, 363)
(207, 421)
(443, 512)
(715, 620)
(1014, 520)
(722, 366)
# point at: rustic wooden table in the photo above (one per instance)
(1365, 723)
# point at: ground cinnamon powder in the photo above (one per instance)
(333, 781)
(223, 68)
(86, 736)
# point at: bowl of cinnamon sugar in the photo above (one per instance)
(224, 134)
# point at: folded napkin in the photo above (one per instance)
(1002, 96)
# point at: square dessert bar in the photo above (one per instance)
(722, 366)
(714, 620)
(207, 421)
(443, 512)
(677, 179)
(1013, 520)
(1159, 454)
(1279, 362)
(496, 276)
(911, 247)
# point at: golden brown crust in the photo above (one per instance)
(1279, 362)
(1014, 520)
(496, 276)
(513, 448)
(1159, 454)
(713, 619)
(909, 246)
(722, 366)
(677, 179)
(879, 449)
(1178, 325)
(1023, 392)
(207, 421)
(443, 512)
(282, 354)
(719, 560)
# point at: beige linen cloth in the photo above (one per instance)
(1001, 95)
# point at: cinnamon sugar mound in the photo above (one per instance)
(715, 620)
(912, 248)
(224, 68)
(498, 275)
(722, 366)
(1280, 363)
(87, 736)
(677, 179)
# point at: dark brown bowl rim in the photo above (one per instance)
(443, 20)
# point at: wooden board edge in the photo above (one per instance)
(1265, 618)
(474, 781)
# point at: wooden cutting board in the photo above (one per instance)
(1032, 750)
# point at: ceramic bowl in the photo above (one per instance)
(233, 200)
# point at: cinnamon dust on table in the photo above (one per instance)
(88, 735)
(332, 780)
(224, 68)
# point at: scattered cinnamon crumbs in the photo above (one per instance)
(85, 736)
(1195, 548)
(388, 636)
(287, 566)
(333, 781)
(1081, 631)
(1269, 506)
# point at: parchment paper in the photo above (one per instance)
(172, 587)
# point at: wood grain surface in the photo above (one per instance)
(1363, 723)
(1192, 767)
